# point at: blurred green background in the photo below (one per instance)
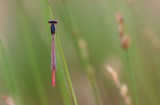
(25, 43)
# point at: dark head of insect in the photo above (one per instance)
(52, 22)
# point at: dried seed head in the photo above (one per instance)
(119, 18)
(124, 94)
(128, 100)
(125, 41)
(120, 30)
(114, 75)
(124, 90)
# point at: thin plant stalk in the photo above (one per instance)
(132, 78)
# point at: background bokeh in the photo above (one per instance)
(25, 43)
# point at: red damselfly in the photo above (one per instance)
(53, 54)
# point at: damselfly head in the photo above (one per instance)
(53, 21)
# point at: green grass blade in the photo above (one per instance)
(132, 78)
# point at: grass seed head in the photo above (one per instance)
(125, 41)
(120, 30)
(124, 90)
(122, 87)
(114, 75)
(119, 18)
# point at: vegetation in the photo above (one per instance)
(107, 52)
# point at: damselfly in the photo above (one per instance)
(53, 54)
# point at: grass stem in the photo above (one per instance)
(132, 78)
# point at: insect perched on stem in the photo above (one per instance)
(53, 56)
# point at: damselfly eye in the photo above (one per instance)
(50, 21)
(53, 21)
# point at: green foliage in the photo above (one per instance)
(25, 43)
